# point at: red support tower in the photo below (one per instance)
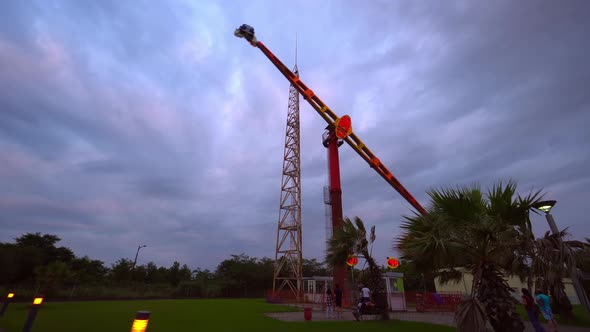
(331, 142)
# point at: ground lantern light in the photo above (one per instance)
(32, 314)
(140, 322)
(7, 300)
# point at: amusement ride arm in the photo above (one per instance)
(247, 32)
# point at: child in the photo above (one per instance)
(531, 309)
(545, 305)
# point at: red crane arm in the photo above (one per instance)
(330, 117)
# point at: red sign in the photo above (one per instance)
(392, 263)
(352, 261)
(343, 126)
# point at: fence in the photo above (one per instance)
(421, 301)
(317, 299)
(436, 302)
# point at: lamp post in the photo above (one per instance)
(546, 207)
(7, 301)
(137, 253)
(32, 314)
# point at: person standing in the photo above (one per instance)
(544, 302)
(531, 309)
(329, 304)
(338, 301)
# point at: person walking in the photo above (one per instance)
(531, 309)
(544, 302)
(329, 304)
(338, 301)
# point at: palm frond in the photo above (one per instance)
(471, 316)
(449, 275)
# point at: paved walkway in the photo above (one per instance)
(425, 317)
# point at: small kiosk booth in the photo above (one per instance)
(394, 283)
(314, 288)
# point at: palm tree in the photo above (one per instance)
(582, 253)
(352, 240)
(466, 229)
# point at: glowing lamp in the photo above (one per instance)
(545, 206)
(10, 295)
(392, 263)
(38, 301)
(140, 322)
(352, 261)
(139, 325)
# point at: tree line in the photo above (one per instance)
(36, 264)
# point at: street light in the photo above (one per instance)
(137, 253)
(546, 206)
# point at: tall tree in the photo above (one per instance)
(240, 275)
(53, 277)
(121, 270)
(477, 232)
(87, 270)
(46, 243)
(155, 275)
(176, 273)
(206, 283)
(311, 267)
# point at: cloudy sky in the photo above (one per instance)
(148, 122)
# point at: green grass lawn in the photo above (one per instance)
(183, 315)
(581, 317)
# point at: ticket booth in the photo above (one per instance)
(394, 283)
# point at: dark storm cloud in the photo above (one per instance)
(138, 122)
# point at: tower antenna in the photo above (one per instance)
(295, 49)
(288, 273)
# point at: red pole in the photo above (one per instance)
(340, 272)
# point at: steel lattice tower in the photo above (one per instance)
(288, 257)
